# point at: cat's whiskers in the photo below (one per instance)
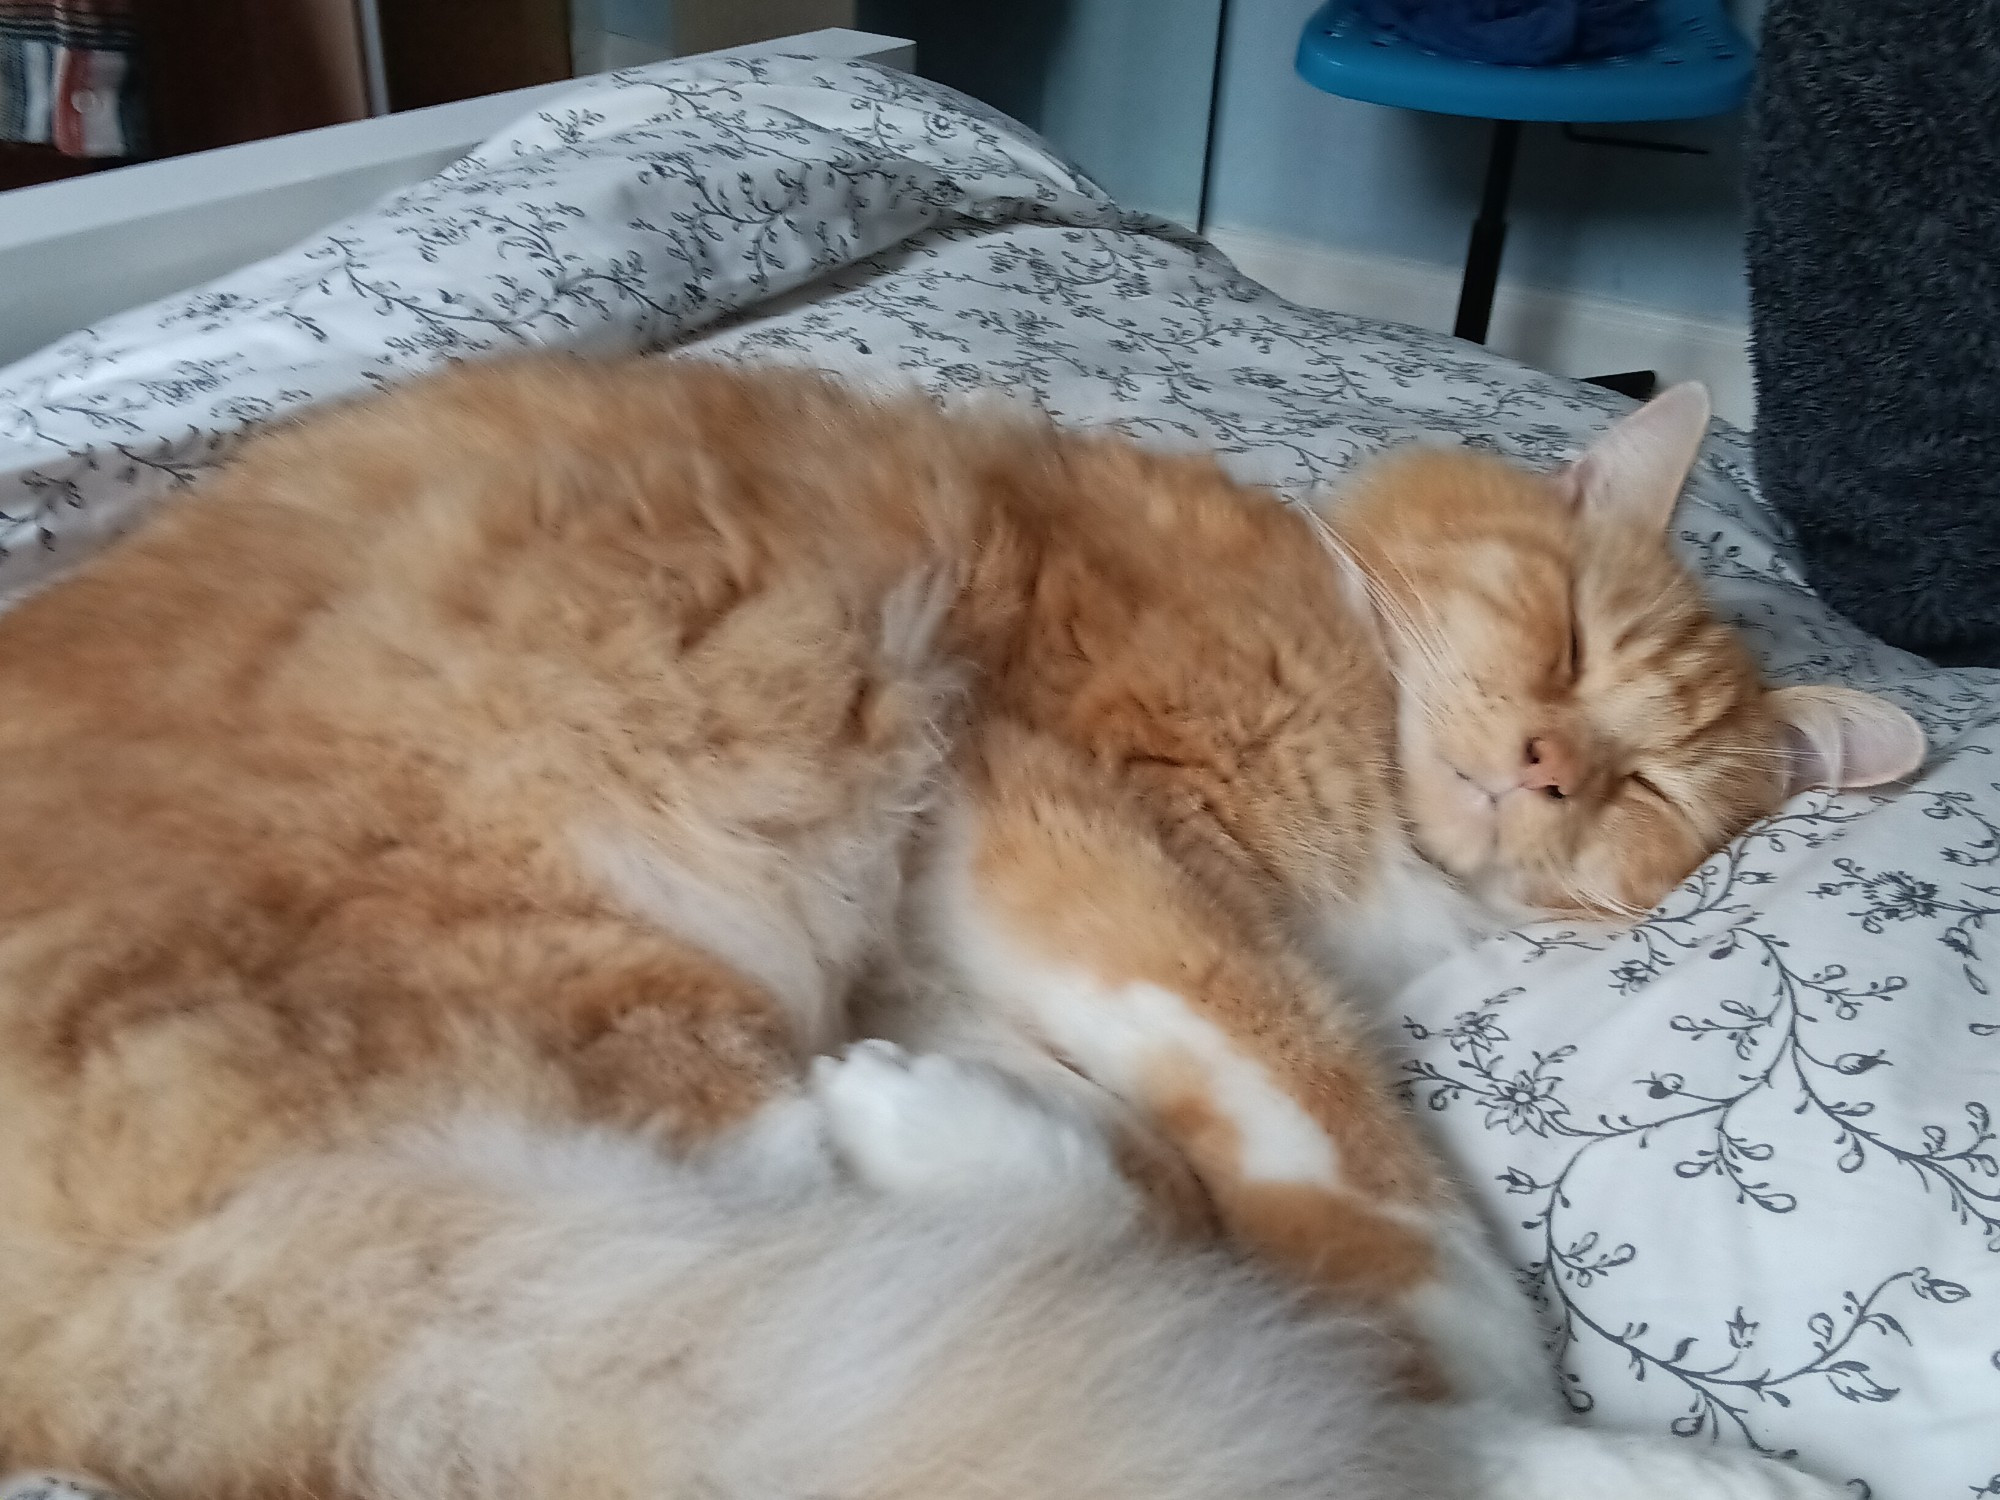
(1446, 661)
(1423, 602)
(1589, 894)
(1783, 761)
(1428, 646)
(1379, 600)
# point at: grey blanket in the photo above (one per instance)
(1874, 262)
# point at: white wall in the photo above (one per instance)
(1665, 231)
(1333, 200)
(1122, 86)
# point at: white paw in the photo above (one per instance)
(781, 1152)
(1520, 1459)
(936, 1125)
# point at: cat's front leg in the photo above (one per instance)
(1055, 914)
(1050, 910)
(933, 1126)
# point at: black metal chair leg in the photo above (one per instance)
(1638, 384)
(1482, 259)
(1489, 235)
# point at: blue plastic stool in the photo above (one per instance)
(1701, 66)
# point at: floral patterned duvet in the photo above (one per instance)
(1744, 1153)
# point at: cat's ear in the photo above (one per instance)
(1636, 470)
(1840, 737)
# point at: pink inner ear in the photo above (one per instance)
(1842, 738)
(1637, 468)
(1810, 765)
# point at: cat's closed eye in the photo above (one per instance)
(1568, 664)
(1646, 784)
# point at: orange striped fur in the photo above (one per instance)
(593, 743)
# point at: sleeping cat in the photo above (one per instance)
(475, 800)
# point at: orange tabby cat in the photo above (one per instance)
(569, 746)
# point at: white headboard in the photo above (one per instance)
(75, 251)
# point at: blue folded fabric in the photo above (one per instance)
(1526, 33)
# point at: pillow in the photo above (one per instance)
(646, 204)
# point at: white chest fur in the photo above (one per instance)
(1411, 917)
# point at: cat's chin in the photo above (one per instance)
(1505, 897)
(1456, 826)
(1454, 821)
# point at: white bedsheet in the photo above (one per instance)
(1744, 1153)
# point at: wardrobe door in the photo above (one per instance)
(435, 51)
(222, 71)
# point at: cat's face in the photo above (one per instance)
(1576, 730)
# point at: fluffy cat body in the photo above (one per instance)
(572, 749)
(495, 1309)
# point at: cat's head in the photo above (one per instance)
(1577, 731)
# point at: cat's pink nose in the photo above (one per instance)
(1548, 765)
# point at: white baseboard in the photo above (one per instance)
(1563, 332)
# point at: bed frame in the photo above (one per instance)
(76, 251)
